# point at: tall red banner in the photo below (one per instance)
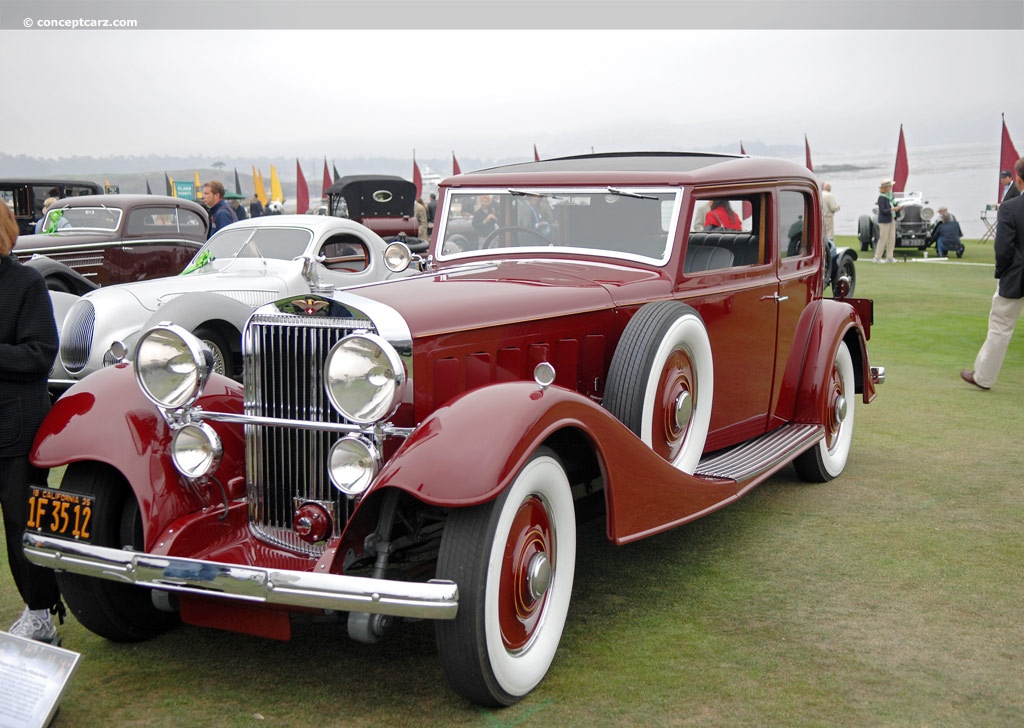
(1007, 157)
(899, 176)
(301, 191)
(807, 152)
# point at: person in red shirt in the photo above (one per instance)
(722, 217)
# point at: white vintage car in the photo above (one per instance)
(242, 267)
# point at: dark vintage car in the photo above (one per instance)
(914, 223)
(27, 196)
(383, 203)
(103, 239)
(424, 448)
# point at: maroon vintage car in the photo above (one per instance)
(97, 240)
(638, 335)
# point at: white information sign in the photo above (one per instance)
(33, 678)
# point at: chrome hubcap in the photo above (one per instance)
(684, 409)
(539, 575)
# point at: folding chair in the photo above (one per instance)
(990, 226)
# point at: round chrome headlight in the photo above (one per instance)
(196, 450)
(927, 214)
(353, 464)
(397, 257)
(171, 366)
(364, 378)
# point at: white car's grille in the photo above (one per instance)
(76, 336)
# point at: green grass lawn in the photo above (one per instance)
(888, 597)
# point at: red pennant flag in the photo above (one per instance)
(417, 178)
(455, 165)
(327, 180)
(301, 191)
(1007, 157)
(807, 151)
(536, 157)
(899, 176)
(742, 150)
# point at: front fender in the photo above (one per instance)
(191, 310)
(52, 270)
(104, 418)
(469, 451)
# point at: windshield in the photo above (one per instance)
(624, 222)
(282, 243)
(90, 218)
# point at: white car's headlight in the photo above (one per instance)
(354, 463)
(927, 214)
(171, 366)
(364, 378)
(196, 450)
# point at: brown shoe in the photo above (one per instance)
(968, 376)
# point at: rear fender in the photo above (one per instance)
(104, 418)
(838, 322)
(470, 450)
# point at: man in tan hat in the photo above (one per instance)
(886, 226)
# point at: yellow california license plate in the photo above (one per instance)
(60, 514)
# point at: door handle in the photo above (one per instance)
(775, 297)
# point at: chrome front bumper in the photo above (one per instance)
(435, 599)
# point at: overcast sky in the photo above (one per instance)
(493, 93)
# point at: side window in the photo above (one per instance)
(725, 233)
(346, 254)
(793, 234)
(722, 214)
(189, 221)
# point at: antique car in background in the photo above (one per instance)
(424, 448)
(245, 265)
(104, 239)
(913, 223)
(383, 203)
(27, 196)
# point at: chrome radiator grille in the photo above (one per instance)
(286, 466)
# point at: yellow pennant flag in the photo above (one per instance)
(276, 195)
(261, 191)
(199, 186)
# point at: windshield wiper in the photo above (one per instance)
(627, 193)
(532, 193)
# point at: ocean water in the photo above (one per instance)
(962, 177)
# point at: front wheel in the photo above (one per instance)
(827, 459)
(118, 612)
(223, 358)
(513, 560)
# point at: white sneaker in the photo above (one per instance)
(892, 260)
(877, 260)
(36, 624)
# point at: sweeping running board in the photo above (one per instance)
(768, 452)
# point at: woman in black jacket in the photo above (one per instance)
(28, 346)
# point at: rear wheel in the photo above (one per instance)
(513, 560)
(827, 459)
(118, 612)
